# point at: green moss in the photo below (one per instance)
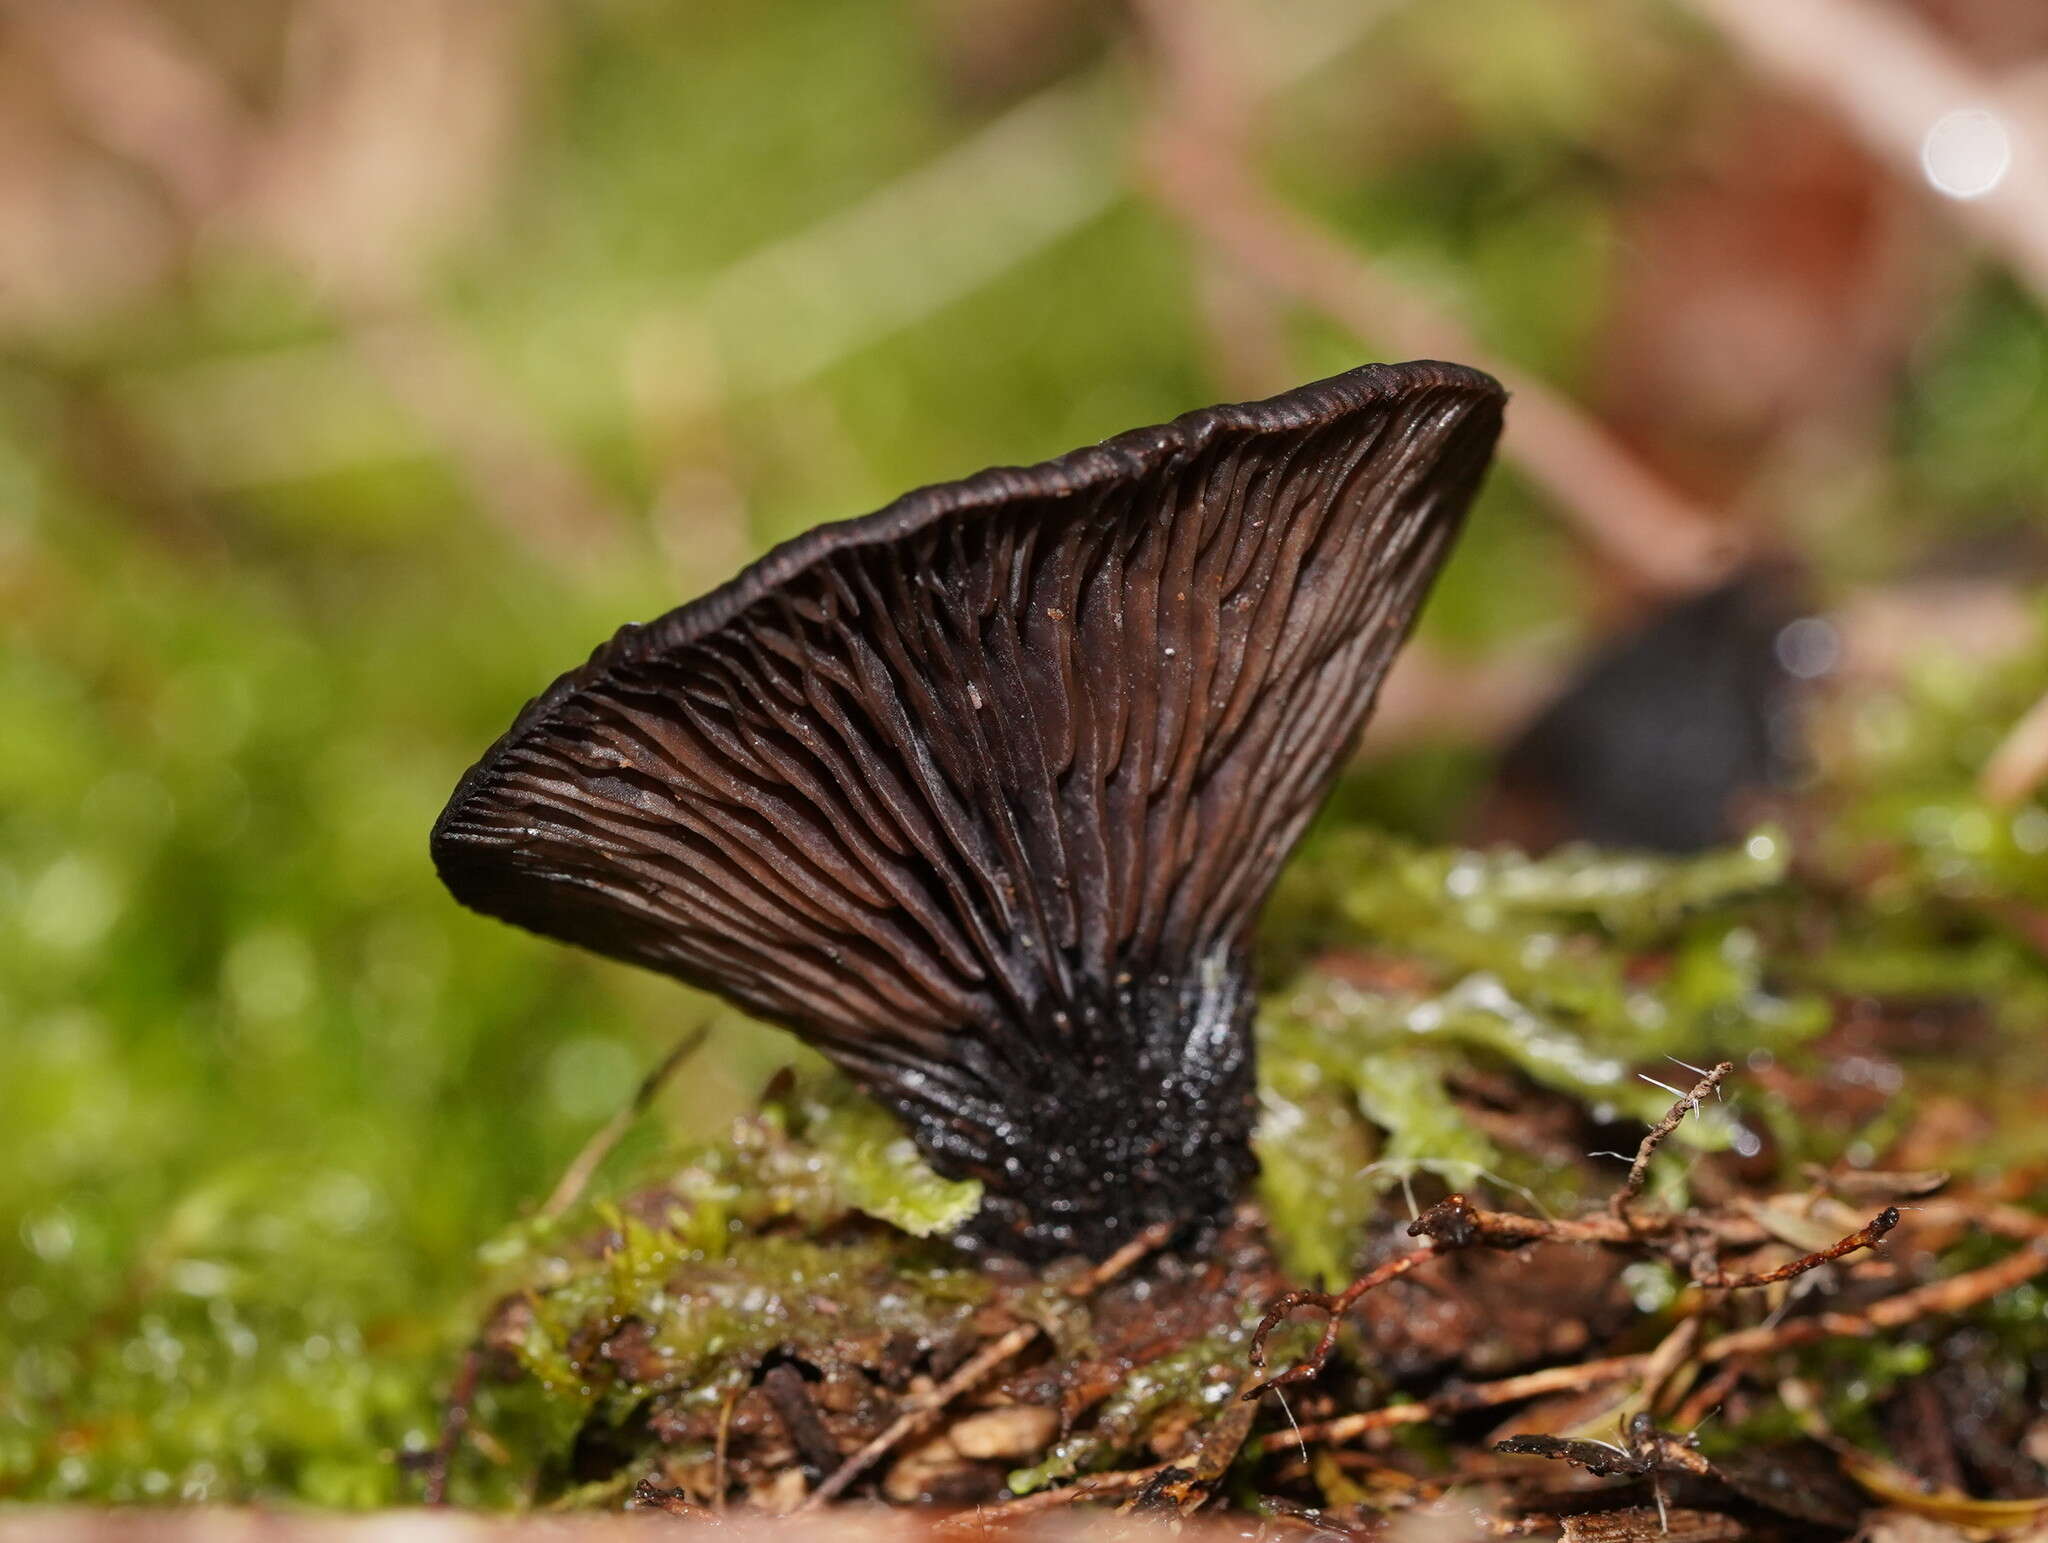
(1537, 965)
(748, 1246)
(878, 1168)
(1201, 1376)
(266, 1090)
(713, 1315)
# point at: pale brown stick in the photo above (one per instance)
(1484, 1395)
(2020, 763)
(1890, 78)
(587, 1161)
(1099, 1486)
(1936, 1298)
(721, 1453)
(1953, 1295)
(1198, 170)
(1151, 1240)
(1711, 1394)
(1672, 1352)
(978, 1366)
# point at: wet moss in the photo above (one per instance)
(1574, 971)
(262, 1342)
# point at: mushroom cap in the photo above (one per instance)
(981, 793)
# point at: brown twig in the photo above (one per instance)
(1456, 1223)
(1672, 1352)
(1890, 77)
(1150, 1241)
(1712, 1393)
(1867, 1236)
(906, 1424)
(1198, 169)
(1936, 1299)
(454, 1421)
(1100, 1486)
(2020, 763)
(1618, 1204)
(1335, 1306)
(1460, 1400)
(984, 1361)
(576, 1177)
(721, 1452)
(1939, 1298)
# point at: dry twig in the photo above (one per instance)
(1940, 1298)
(1867, 1236)
(1100, 1486)
(917, 1412)
(977, 1367)
(454, 1421)
(1460, 1400)
(2020, 763)
(1890, 77)
(1199, 170)
(594, 1151)
(138, 86)
(1454, 1222)
(1150, 1241)
(1639, 1170)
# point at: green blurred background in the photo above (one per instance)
(363, 363)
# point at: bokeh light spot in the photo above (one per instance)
(1967, 153)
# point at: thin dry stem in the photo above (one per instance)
(138, 86)
(1639, 1170)
(914, 1417)
(1150, 1241)
(1868, 1236)
(1198, 169)
(455, 1417)
(977, 1367)
(1937, 1299)
(1100, 1486)
(1483, 1395)
(1891, 78)
(1335, 1306)
(1940, 1298)
(576, 1177)
(1683, 1239)
(2019, 765)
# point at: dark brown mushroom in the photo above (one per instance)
(981, 794)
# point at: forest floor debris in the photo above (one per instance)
(1143, 1384)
